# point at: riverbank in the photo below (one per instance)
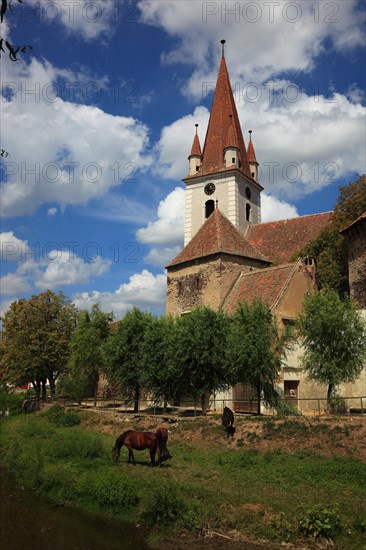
(218, 493)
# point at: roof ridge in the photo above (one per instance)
(291, 274)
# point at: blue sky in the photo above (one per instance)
(99, 122)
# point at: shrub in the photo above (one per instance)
(108, 488)
(319, 521)
(166, 504)
(58, 416)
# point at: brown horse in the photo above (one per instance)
(162, 434)
(139, 441)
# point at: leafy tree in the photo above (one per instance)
(200, 352)
(256, 349)
(35, 340)
(123, 353)
(334, 338)
(86, 360)
(161, 374)
(5, 46)
(330, 249)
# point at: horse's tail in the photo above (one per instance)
(118, 444)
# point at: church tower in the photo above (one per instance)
(222, 176)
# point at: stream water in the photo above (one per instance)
(31, 522)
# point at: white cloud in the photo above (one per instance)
(80, 156)
(162, 256)
(11, 248)
(52, 211)
(54, 269)
(143, 290)
(168, 228)
(274, 209)
(302, 142)
(85, 18)
(264, 39)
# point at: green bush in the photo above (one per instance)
(319, 521)
(165, 505)
(57, 415)
(108, 488)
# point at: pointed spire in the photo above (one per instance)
(223, 106)
(196, 146)
(251, 153)
(231, 140)
(222, 48)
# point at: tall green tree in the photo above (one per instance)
(162, 375)
(334, 339)
(86, 359)
(123, 353)
(330, 248)
(256, 350)
(200, 352)
(35, 340)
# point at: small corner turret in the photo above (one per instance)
(195, 157)
(253, 164)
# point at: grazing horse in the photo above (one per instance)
(162, 434)
(228, 421)
(138, 441)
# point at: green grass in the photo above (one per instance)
(266, 494)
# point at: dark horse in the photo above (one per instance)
(228, 421)
(162, 434)
(139, 441)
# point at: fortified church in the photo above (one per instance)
(229, 255)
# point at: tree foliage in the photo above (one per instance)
(35, 340)
(86, 359)
(161, 373)
(123, 353)
(256, 349)
(334, 339)
(200, 352)
(5, 45)
(330, 248)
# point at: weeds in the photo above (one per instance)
(320, 521)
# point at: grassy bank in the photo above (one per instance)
(270, 494)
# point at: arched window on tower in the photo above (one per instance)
(248, 209)
(209, 207)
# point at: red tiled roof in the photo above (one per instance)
(360, 219)
(281, 240)
(217, 234)
(251, 153)
(196, 147)
(223, 106)
(266, 284)
(232, 140)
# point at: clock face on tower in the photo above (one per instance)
(209, 188)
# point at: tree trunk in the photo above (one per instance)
(165, 405)
(37, 388)
(44, 391)
(137, 399)
(203, 403)
(330, 391)
(259, 397)
(52, 388)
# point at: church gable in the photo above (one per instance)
(218, 235)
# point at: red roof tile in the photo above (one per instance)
(217, 234)
(281, 240)
(223, 106)
(196, 147)
(266, 284)
(251, 153)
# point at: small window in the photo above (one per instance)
(253, 174)
(233, 160)
(248, 212)
(289, 328)
(209, 207)
(248, 193)
(197, 168)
